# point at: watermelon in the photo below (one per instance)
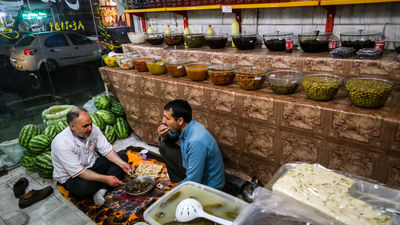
(28, 161)
(61, 125)
(102, 102)
(98, 121)
(44, 165)
(121, 127)
(107, 116)
(51, 131)
(39, 143)
(117, 109)
(109, 132)
(27, 132)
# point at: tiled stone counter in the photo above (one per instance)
(258, 130)
(386, 67)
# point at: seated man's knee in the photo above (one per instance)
(123, 155)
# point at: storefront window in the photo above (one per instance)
(50, 52)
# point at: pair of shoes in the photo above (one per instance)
(34, 196)
(20, 187)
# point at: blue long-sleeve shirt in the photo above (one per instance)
(201, 156)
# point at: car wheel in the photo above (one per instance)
(48, 66)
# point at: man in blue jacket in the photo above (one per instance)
(196, 157)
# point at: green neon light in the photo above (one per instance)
(32, 15)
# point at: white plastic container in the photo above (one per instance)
(207, 196)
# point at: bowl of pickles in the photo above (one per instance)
(284, 81)
(221, 74)
(156, 66)
(321, 87)
(250, 78)
(367, 92)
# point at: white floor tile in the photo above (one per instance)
(43, 207)
(63, 215)
(37, 222)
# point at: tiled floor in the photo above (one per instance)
(55, 209)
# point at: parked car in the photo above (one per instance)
(48, 50)
(7, 40)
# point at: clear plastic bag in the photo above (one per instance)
(369, 53)
(342, 52)
(271, 208)
(12, 153)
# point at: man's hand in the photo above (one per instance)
(163, 131)
(113, 181)
(127, 168)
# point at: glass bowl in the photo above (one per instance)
(368, 92)
(173, 39)
(137, 38)
(156, 66)
(314, 42)
(197, 71)
(194, 40)
(140, 64)
(360, 39)
(217, 41)
(276, 41)
(176, 67)
(284, 81)
(155, 39)
(111, 59)
(221, 74)
(397, 46)
(250, 78)
(245, 41)
(126, 63)
(321, 87)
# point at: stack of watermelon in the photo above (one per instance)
(110, 118)
(37, 157)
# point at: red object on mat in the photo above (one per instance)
(132, 198)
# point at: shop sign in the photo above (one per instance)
(66, 25)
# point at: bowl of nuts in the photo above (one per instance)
(321, 87)
(368, 92)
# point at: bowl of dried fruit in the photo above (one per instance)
(139, 186)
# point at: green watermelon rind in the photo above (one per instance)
(51, 131)
(121, 127)
(98, 121)
(102, 102)
(27, 133)
(44, 165)
(107, 116)
(117, 109)
(109, 133)
(39, 143)
(61, 125)
(28, 160)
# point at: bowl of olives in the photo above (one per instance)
(284, 81)
(276, 41)
(314, 41)
(321, 87)
(359, 39)
(245, 41)
(217, 41)
(174, 39)
(194, 40)
(368, 92)
(155, 39)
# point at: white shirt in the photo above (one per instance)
(72, 155)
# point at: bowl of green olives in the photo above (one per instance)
(321, 87)
(368, 92)
(284, 81)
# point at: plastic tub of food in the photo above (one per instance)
(245, 41)
(176, 67)
(111, 59)
(194, 40)
(368, 92)
(397, 46)
(219, 203)
(126, 63)
(342, 52)
(321, 87)
(284, 81)
(196, 71)
(250, 78)
(155, 39)
(137, 38)
(173, 39)
(359, 39)
(369, 53)
(156, 66)
(140, 64)
(276, 41)
(314, 42)
(221, 74)
(217, 41)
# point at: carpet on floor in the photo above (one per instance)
(120, 208)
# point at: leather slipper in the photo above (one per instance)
(34, 196)
(20, 187)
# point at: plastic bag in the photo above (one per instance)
(13, 152)
(342, 52)
(56, 113)
(369, 53)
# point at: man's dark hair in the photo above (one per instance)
(74, 114)
(180, 108)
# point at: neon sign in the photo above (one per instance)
(33, 15)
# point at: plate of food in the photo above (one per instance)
(139, 186)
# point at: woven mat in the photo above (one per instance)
(119, 207)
